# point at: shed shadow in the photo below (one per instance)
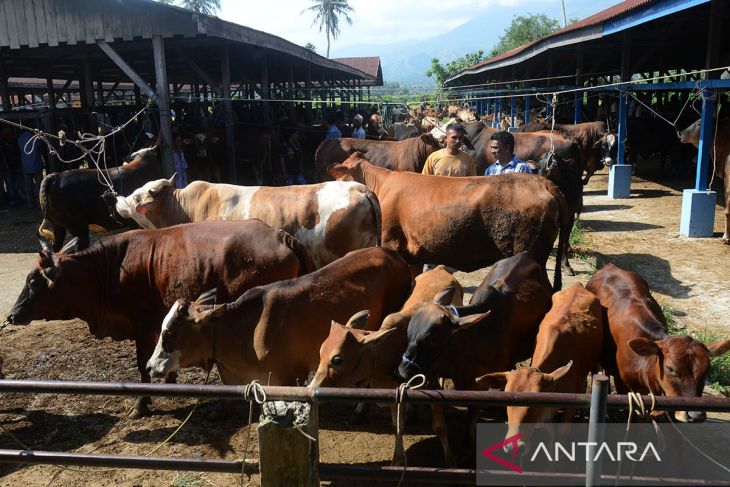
(596, 208)
(616, 226)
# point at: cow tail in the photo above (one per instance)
(43, 200)
(305, 261)
(564, 236)
(377, 216)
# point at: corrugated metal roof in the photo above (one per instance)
(598, 18)
(368, 65)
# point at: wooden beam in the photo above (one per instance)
(714, 38)
(127, 69)
(63, 89)
(111, 91)
(228, 113)
(194, 66)
(163, 102)
(626, 56)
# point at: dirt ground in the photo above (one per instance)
(640, 233)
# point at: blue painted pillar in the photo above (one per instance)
(578, 106)
(527, 109)
(488, 103)
(512, 110)
(698, 204)
(501, 112)
(619, 175)
(495, 115)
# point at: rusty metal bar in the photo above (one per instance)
(349, 395)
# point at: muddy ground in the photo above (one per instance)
(641, 233)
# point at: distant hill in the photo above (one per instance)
(407, 61)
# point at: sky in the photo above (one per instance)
(386, 21)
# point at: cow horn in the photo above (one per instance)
(45, 243)
(71, 246)
(172, 178)
(359, 320)
(49, 281)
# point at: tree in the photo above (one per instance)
(441, 73)
(207, 7)
(328, 13)
(310, 47)
(524, 29)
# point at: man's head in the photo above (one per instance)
(454, 136)
(502, 146)
(357, 121)
(330, 119)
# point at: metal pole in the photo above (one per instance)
(163, 103)
(599, 396)
(527, 110)
(709, 99)
(495, 115)
(512, 110)
(621, 157)
(487, 102)
(578, 106)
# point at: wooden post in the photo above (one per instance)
(714, 38)
(308, 91)
(292, 95)
(228, 113)
(4, 90)
(53, 163)
(265, 90)
(163, 103)
(286, 455)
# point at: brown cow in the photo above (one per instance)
(329, 219)
(279, 328)
(496, 330)
(721, 153)
(465, 223)
(350, 357)
(569, 344)
(642, 356)
(123, 285)
(402, 155)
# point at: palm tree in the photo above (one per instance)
(207, 7)
(328, 17)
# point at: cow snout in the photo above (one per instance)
(7, 321)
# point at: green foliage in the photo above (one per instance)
(441, 73)
(310, 47)
(524, 29)
(188, 479)
(576, 234)
(207, 7)
(327, 16)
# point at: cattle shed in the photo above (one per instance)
(78, 58)
(650, 49)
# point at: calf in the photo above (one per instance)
(351, 357)
(496, 330)
(568, 348)
(330, 219)
(641, 355)
(74, 200)
(279, 328)
(466, 223)
(123, 285)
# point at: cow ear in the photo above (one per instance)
(377, 337)
(359, 320)
(718, 347)
(445, 296)
(209, 315)
(472, 320)
(495, 380)
(337, 170)
(208, 297)
(71, 247)
(558, 373)
(644, 346)
(597, 144)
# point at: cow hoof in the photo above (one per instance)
(568, 271)
(726, 241)
(141, 408)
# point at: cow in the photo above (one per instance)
(568, 347)
(76, 200)
(351, 357)
(330, 219)
(466, 223)
(640, 353)
(647, 136)
(721, 154)
(493, 332)
(402, 131)
(402, 155)
(199, 151)
(123, 285)
(277, 329)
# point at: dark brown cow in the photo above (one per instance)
(123, 285)
(402, 155)
(642, 357)
(568, 348)
(496, 330)
(279, 328)
(74, 200)
(720, 151)
(465, 223)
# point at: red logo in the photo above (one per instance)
(487, 452)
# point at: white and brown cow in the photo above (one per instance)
(330, 219)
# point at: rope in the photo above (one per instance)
(696, 447)
(552, 124)
(415, 382)
(251, 392)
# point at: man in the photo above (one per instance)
(333, 132)
(502, 145)
(32, 163)
(291, 159)
(451, 161)
(358, 132)
(179, 162)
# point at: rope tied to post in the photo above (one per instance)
(252, 392)
(415, 382)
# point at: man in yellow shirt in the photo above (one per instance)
(451, 161)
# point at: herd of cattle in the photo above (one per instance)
(259, 280)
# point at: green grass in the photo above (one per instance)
(576, 234)
(719, 374)
(189, 479)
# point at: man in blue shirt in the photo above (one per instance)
(502, 146)
(32, 163)
(333, 131)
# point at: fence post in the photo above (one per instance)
(286, 455)
(599, 396)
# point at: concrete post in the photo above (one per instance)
(619, 176)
